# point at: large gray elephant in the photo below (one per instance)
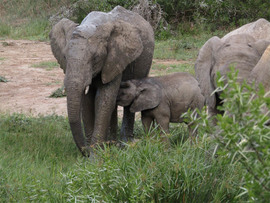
(242, 51)
(161, 99)
(105, 49)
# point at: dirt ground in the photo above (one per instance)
(28, 88)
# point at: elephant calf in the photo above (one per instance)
(162, 99)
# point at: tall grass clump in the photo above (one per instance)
(243, 133)
(149, 171)
(5, 29)
(34, 153)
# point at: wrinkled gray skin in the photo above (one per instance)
(242, 51)
(105, 49)
(162, 99)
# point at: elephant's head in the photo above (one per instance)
(89, 51)
(139, 94)
(217, 55)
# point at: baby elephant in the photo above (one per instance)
(162, 99)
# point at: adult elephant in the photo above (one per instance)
(105, 49)
(260, 29)
(242, 51)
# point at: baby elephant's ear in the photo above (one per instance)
(148, 97)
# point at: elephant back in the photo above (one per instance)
(259, 29)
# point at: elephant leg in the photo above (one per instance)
(113, 126)
(88, 114)
(105, 103)
(164, 122)
(127, 125)
(147, 122)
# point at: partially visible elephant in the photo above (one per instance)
(162, 99)
(259, 29)
(242, 51)
(105, 49)
(261, 72)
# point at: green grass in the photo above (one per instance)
(48, 65)
(34, 29)
(148, 171)
(5, 29)
(34, 153)
(28, 19)
(161, 69)
(39, 162)
(182, 47)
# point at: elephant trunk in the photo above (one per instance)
(75, 85)
(74, 98)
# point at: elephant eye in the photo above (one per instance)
(143, 90)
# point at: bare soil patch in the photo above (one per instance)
(28, 88)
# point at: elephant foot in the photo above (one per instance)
(86, 151)
(93, 157)
(165, 139)
(126, 137)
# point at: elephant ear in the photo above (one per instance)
(148, 96)
(59, 37)
(126, 93)
(124, 46)
(203, 69)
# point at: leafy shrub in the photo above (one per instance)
(242, 134)
(237, 12)
(82, 8)
(212, 13)
(60, 92)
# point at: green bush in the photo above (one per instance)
(82, 8)
(242, 134)
(234, 12)
(184, 16)
(214, 13)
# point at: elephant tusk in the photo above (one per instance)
(86, 90)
